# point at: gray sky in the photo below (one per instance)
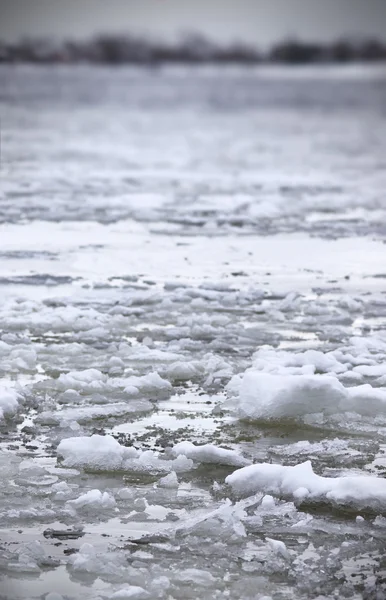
(257, 21)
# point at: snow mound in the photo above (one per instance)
(264, 396)
(209, 453)
(301, 483)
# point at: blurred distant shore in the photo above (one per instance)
(192, 49)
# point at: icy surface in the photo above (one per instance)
(192, 274)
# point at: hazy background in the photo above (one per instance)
(254, 21)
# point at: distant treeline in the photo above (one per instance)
(194, 49)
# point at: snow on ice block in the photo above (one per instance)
(209, 453)
(98, 452)
(301, 483)
(265, 396)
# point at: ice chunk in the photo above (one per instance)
(83, 414)
(267, 397)
(89, 380)
(105, 565)
(267, 502)
(371, 370)
(147, 384)
(278, 547)
(159, 585)
(184, 371)
(300, 481)
(132, 592)
(181, 464)
(93, 499)
(209, 453)
(9, 401)
(283, 362)
(196, 576)
(169, 481)
(125, 494)
(97, 453)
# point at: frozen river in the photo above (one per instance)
(193, 334)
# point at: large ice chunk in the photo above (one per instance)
(98, 452)
(267, 397)
(300, 482)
